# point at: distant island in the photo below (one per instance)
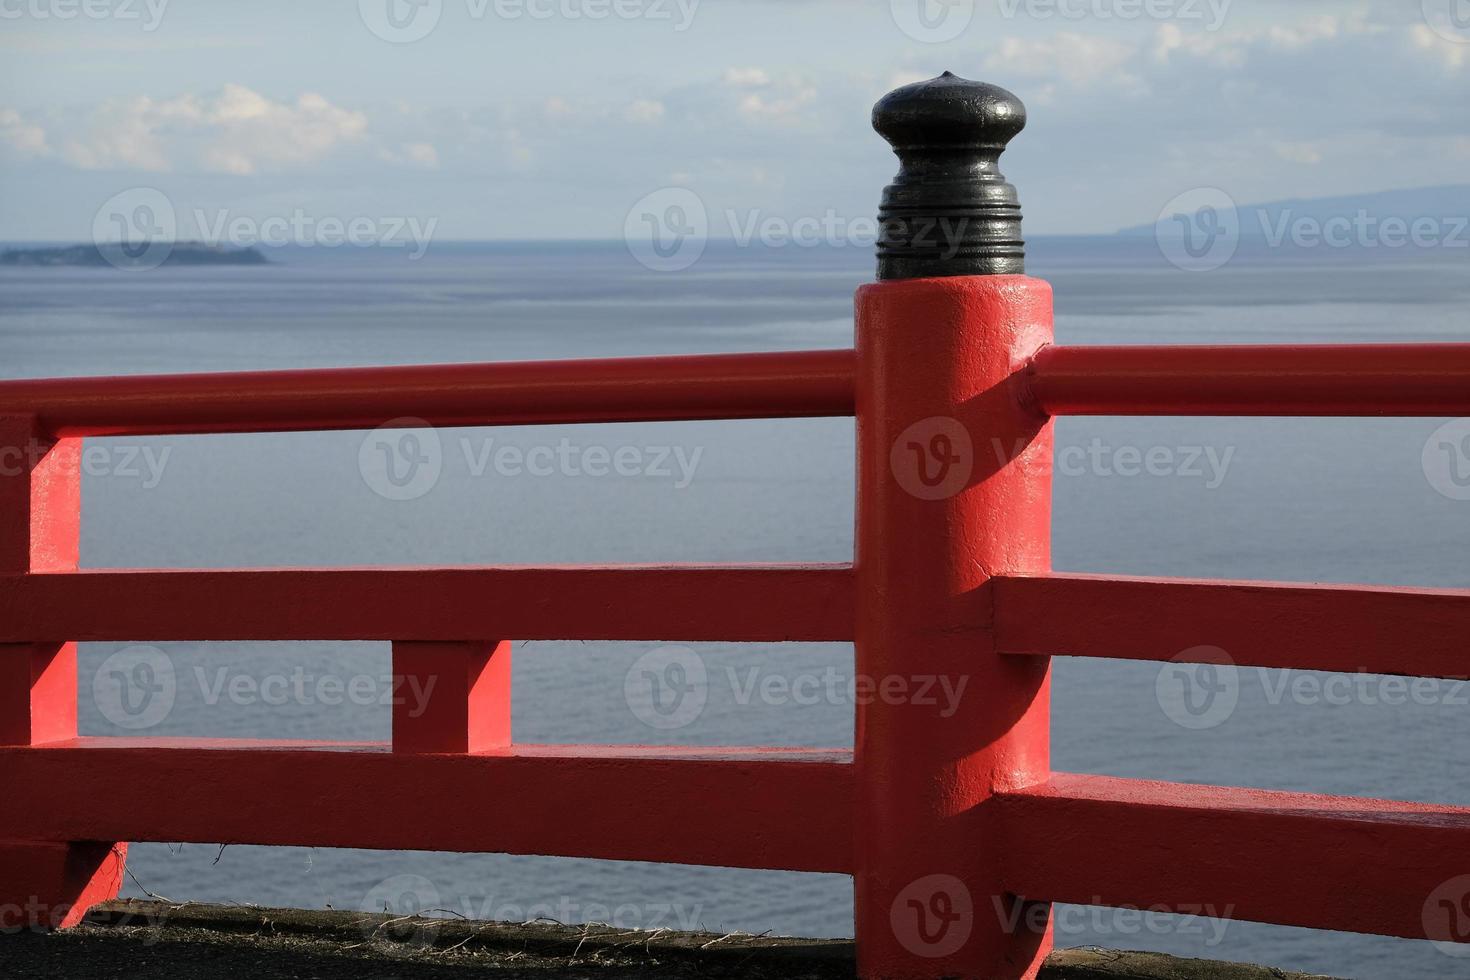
(114, 255)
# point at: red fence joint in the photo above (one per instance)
(940, 514)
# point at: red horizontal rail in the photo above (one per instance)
(1296, 859)
(1382, 630)
(630, 602)
(780, 809)
(1361, 379)
(637, 389)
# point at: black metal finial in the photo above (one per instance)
(949, 212)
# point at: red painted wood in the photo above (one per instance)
(451, 697)
(945, 584)
(1349, 628)
(40, 498)
(629, 602)
(46, 885)
(734, 807)
(1359, 379)
(38, 693)
(1325, 862)
(40, 520)
(935, 360)
(707, 386)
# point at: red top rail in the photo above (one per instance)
(796, 384)
(1361, 379)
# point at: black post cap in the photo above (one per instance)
(949, 212)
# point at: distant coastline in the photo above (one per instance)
(118, 256)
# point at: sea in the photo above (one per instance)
(1312, 500)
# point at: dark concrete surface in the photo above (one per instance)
(159, 941)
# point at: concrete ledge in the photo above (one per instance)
(206, 942)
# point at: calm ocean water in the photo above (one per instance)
(1315, 500)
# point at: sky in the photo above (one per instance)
(533, 119)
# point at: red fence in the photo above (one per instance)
(941, 820)
(946, 821)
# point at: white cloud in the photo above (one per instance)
(644, 111)
(412, 154)
(782, 109)
(236, 131)
(1304, 32)
(26, 138)
(901, 78)
(1075, 57)
(746, 77)
(1297, 152)
(1450, 54)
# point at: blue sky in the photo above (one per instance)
(550, 118)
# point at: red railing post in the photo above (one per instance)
(51, 883)
(953, 490)
(451, 697)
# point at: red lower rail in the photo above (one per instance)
(931, 813)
